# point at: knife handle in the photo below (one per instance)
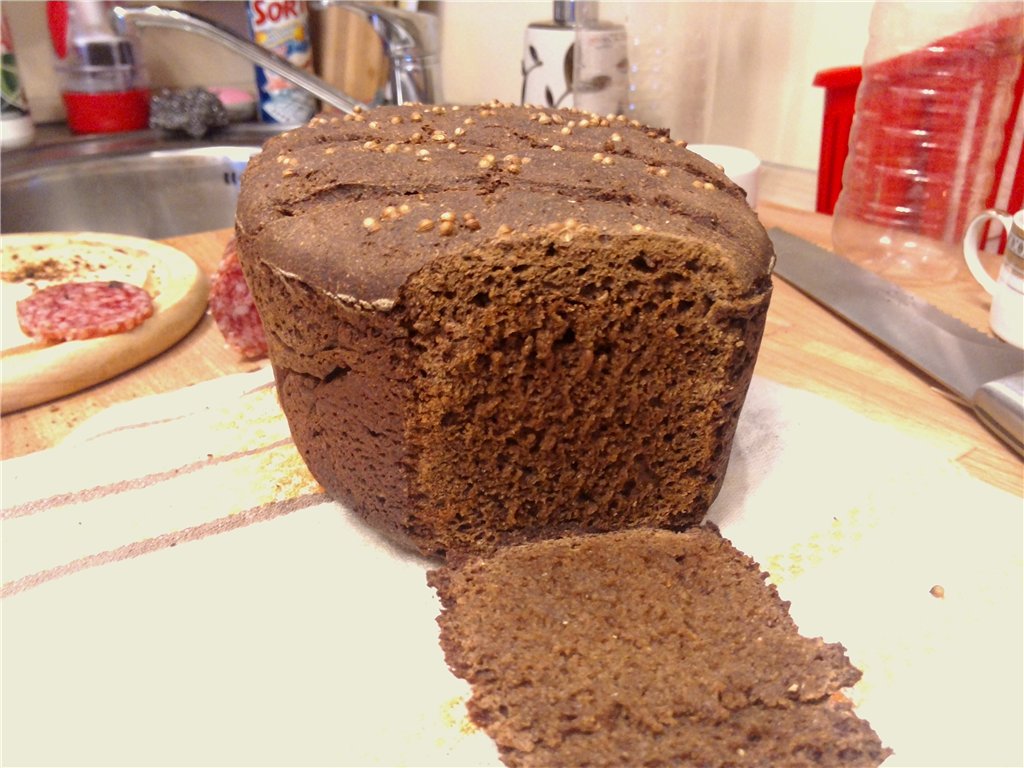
(1000, 406)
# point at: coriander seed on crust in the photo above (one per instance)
(464, 383)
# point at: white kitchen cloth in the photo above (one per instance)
(177, 590)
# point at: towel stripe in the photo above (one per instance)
(135, 483)
(221, 525)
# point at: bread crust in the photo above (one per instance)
(493, 324)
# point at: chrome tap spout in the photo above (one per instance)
(408, 39)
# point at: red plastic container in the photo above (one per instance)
(102, 82)
(1008, 190)
(840, 86)
(107, 112)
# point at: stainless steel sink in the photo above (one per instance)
(143, 183)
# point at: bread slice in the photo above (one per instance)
(644, 648)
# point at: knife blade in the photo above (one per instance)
(982, 372)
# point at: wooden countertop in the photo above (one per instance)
(804, 346)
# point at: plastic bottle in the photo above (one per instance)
(16, 128)
(673, 55)
(929, 126)
(282, 26)
(103, 85)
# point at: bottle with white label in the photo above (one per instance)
(282, 26)
(575, 60)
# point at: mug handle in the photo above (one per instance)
(971, 239)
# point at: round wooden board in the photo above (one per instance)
(33, 372)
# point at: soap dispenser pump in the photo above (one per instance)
(576, 60)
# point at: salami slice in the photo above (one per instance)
(233, 309)
(83, 310)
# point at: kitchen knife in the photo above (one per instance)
(982, 372)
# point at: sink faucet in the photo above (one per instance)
(411, 45)
(409, 39)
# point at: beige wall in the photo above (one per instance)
(765, 55)
(768, 57)
(763, 59)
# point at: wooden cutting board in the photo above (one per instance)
(33, 372)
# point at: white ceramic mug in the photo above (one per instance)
(1007, 291)
(741, 165)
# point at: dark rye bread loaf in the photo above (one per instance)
(644, 648)
(491, 324)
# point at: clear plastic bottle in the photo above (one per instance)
(601, 67)
(673, 53)
(929, 126)
(103, 84)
